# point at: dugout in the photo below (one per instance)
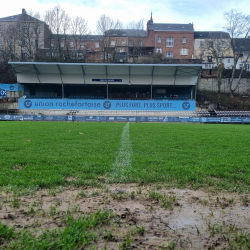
(88, 81)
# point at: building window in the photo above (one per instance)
(130, 43)
(81, 44)
(219, 54)
(48, 54)
(140, 43)
(170, 42)
(247, 66)
(24, 55)
(24, 42)
(169, 54)
(54, 54)
(0, 28)
(71, 44)
(52, 44)
(208, 66)
(123, 43)
(184, 39)
(159, 50)
(228, 60)
(158, 39)
(24, 30)
(62, 44)
(201, 44)
(112, 43)
(241, 65)
(97, 44)
(222, 44)
(11, 40)
(36, 30)
(81, 56)
(209, 58)
(202, 53)
(184, 52)
(109, 55)
(1, 41)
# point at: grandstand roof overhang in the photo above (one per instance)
(85, 73)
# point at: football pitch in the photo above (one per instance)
(48, 154)
(69, 185)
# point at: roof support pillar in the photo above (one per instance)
(175, 74)
(83, 73)
(151, 91)
(37, 73)
(107, 81)
(129, 75)
(61, 74)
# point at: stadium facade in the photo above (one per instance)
(151, 87)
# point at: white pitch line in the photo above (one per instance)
(122, 162)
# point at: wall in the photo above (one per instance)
(211, 84)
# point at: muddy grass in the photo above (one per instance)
(143, 217)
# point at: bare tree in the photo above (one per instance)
(59, 24)
(136, 37)
(218, 49)
(22, 39)
(238, 25)
(9, 38)
(30, 36)
(79, 30)
(105, 27)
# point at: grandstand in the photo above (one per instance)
(113, 92)
(117, 89)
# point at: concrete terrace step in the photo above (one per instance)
(107, 113)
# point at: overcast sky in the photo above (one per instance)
(205, 15)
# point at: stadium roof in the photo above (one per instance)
(40, 72)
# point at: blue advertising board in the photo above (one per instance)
(11, 87)
(165, 119)
(3, 92)
(71, 104)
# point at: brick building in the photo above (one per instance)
(170, 40)
(21, 37)
(25, 38)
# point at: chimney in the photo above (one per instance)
(24, 11)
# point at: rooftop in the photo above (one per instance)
(19, 17)
(171, 27)
(126, 32)
(242, 42)
(211, 34)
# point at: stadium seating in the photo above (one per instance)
(232, 113)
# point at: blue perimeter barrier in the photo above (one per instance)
(74, 118)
